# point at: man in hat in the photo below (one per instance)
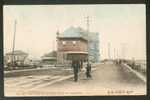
(88, 70)
(76, 66)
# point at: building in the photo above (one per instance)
(80, 41)
(32, 62)
(17, 56)
(72, 44)
(93, 49)
(49, 58)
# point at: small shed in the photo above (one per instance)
(49, 58)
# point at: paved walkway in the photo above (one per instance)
(107, 79)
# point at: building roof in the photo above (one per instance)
(76, 52)
(50, 58)
(50, 54)
(74, 32)
(17, 52)
(77, 55)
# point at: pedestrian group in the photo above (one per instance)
(77, 66)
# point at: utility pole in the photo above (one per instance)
(123, 49)
(117, 54)
(57, 41)
(57, 36)
(109, 51)
(88, 26)
(114, 54)
(87, 23)
(13, 48)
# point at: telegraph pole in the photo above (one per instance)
(87, 23)
(109, 51)
(88, 26)
(117, 54)
(13, 48)
(114, 54)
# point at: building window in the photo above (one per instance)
(64, 42)
(74, 42)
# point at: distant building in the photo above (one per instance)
(93, 49)
(32, 62)
(76, 40)
(49, 58)
(72, 44)
(18, 56)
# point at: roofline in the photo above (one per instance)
(72, 38)
(17, 54)
(16, 51)
(76, 52)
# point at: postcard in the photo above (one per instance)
(74, 50)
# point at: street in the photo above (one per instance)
(107, 79)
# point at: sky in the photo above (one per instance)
(123, 26)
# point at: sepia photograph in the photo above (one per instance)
(74, 50)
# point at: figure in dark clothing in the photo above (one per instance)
(76, 66)
(88, 70)
(81, 66)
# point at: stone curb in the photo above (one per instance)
(139, 75)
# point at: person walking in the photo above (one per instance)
(75, 65)
(88, 70)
